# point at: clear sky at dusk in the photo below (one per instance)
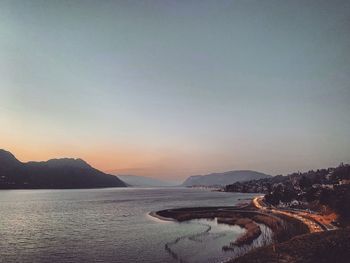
(175, 88)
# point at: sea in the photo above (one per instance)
(111, 225)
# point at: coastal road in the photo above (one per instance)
(308, 219)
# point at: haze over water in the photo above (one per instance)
(107, 225)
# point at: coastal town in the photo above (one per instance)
(322, 196)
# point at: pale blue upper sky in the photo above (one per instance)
(172, 88)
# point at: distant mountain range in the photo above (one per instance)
(143, 181)
(65, 173)
(222, 179)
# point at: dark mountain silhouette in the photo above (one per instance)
(223, 178)
(62, 173)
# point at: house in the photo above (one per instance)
(344, 181)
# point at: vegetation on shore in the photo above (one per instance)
(252, 229)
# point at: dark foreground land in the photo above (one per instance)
(322, 247)
(293, 240)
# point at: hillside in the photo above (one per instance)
(330, 246)
(221, 179)
(323, 191)
(56, 173)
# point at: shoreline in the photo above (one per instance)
(247, 216)
(288, 232)
(156, 216)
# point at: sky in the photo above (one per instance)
(175, 88)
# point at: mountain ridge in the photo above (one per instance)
(59, 173)
(224, 178)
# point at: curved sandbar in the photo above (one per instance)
(248, 217)
(155, 215)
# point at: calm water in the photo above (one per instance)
(110, 225)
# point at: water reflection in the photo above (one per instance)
(206, 244)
